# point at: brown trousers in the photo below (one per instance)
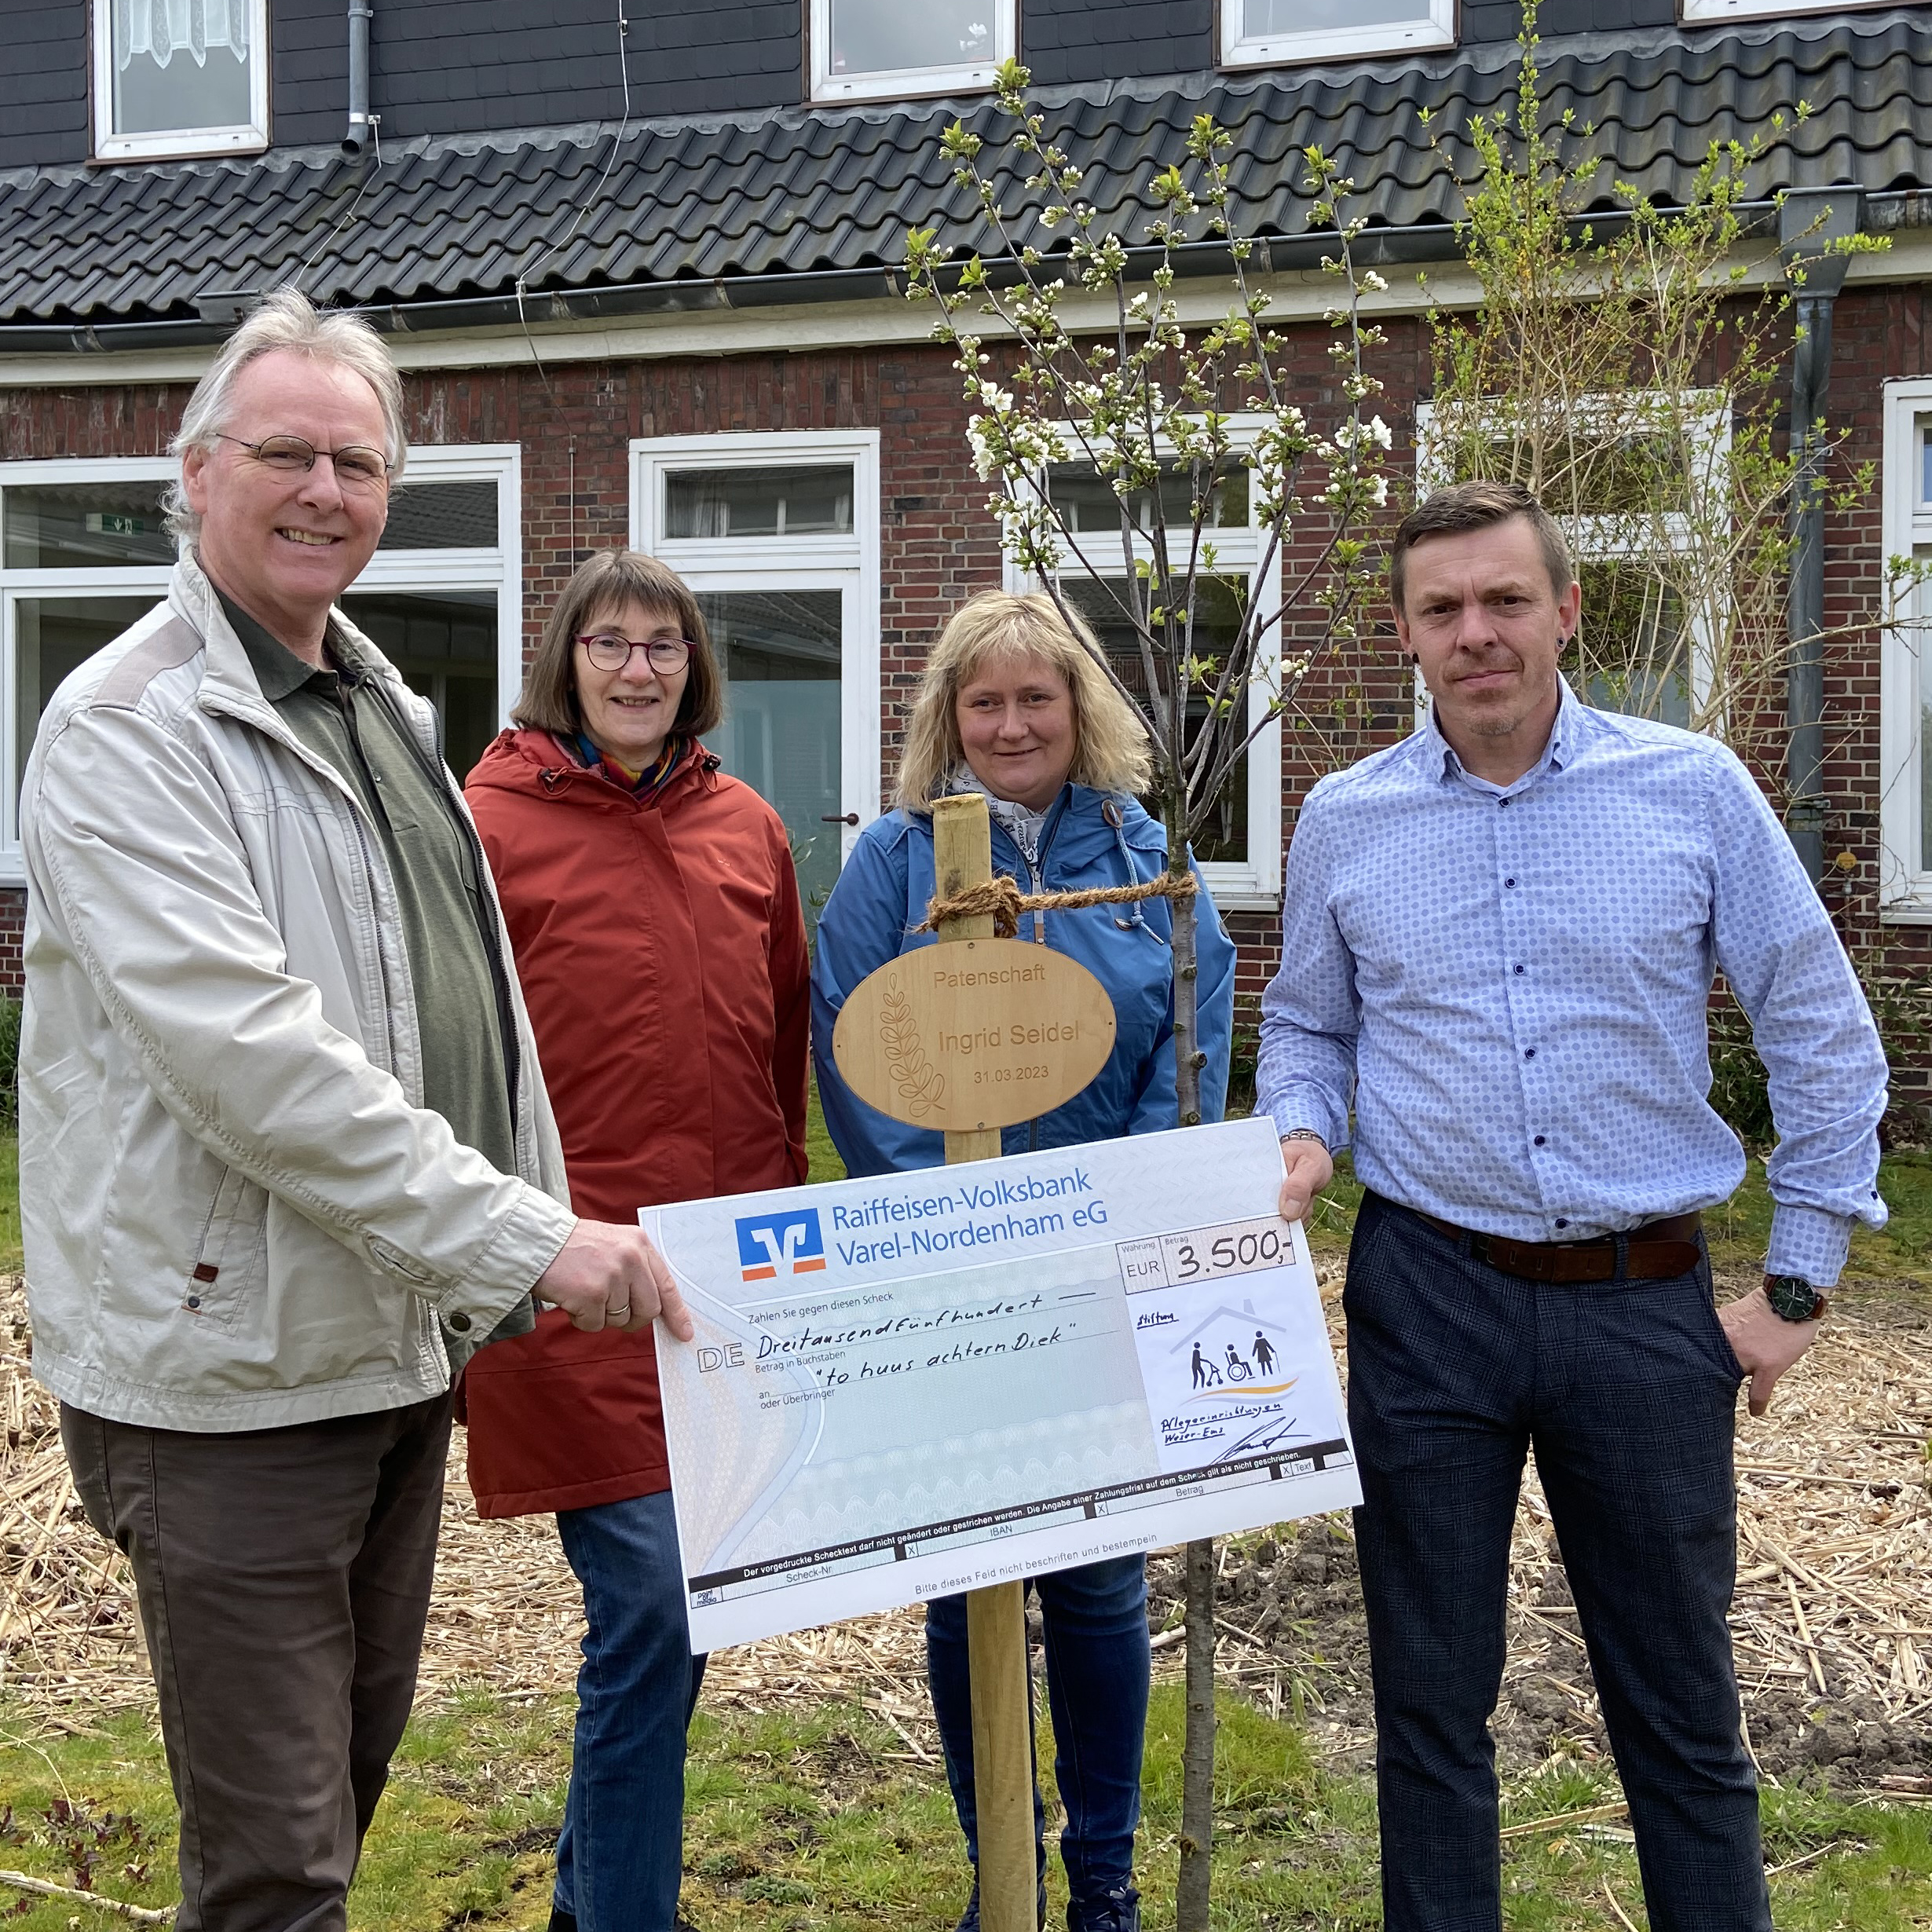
(283, 1577)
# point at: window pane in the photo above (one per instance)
(1089, 502)
(1267, 20)
(1633, 647)
(887, 36)
(1217, 617)
(1923, 637)
(780, 653)
(814, 500)
(441, 516)
(91, 525)
(54, 637)
(1925, 463)
(180, 63)
(444, 643)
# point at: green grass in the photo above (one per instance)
(820, 1817)
(1739, 1231)
(825, 1164)
(10, 1256)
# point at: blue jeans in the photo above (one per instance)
(620, 1854)
(1627, 1393)
(1096, 1623)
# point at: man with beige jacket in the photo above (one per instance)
(287, 1160)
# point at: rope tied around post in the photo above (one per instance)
(1001, 899)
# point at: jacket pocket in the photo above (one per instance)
(230, 1258)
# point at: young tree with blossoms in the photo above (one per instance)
(1076, 365)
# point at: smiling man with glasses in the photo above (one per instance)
(287, 1159)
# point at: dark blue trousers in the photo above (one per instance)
(1095, 1619)
(1627, 1392)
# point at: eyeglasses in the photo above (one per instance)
(609, 652)
(355, 467)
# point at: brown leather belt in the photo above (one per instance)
(1655, 1251)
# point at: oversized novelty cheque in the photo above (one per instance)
(932, 1381)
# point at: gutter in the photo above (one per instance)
(1426, 241)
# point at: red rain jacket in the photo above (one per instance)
(662, 952)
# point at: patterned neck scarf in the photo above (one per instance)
(645, 784)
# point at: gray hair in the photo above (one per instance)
(286, 319)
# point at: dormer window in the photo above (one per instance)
(888, 50)
(1282, 33)
(180, 77)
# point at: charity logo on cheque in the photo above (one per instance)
(788, 1243)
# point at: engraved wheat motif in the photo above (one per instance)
(921, 1085)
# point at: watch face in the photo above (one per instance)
(1792, 1297)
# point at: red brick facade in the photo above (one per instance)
(574, 421)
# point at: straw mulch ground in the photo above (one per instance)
(1833, 1618)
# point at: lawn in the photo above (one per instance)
(819, 1816)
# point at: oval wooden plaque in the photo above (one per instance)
(974, 1034)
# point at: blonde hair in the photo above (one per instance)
(1109, 742)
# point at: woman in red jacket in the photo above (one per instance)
(654, 912)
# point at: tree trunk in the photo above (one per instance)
(1197, 1783)
(1197, 1772)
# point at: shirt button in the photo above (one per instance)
(1561, 1222)
(194, 1301)
(1509, 882)
(1519, 969)
(1529, 1053)
(1504, 802)
(460, 1323)
(1540, 1139)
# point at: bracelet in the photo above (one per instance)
(1306, 1133)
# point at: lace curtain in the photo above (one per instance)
(160, 29)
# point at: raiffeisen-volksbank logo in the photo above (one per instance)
(771, 1245)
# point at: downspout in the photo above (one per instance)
(357, 138)
(1810, 220)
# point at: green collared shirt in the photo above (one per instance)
(343, 717)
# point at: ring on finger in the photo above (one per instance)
(617, 1315)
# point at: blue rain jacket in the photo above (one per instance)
(884, 891)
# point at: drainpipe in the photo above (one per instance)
(360, 120)
(1810, 219)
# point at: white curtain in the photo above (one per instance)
(161, 29)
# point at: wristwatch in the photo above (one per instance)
(1794, 1298)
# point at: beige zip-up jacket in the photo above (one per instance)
(237, 1214)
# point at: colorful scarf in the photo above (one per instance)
(645, 784)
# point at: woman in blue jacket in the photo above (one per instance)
(1015, 704)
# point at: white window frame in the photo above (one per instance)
(1438, 29)
(1606, 539)
(909, 82)
(180, 142)
(1905, 662)
(1254, 886)
(60, 581)
(847, 562)
(500, 569)
(1696, 10)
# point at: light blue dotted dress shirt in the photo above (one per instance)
(1510, 983)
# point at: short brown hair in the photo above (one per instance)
(1477, 507)
(548, 701)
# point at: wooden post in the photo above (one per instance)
(996, 1619)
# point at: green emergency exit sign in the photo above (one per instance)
(116, 523)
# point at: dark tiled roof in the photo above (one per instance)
(802, 191)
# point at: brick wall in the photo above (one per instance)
(574, 422)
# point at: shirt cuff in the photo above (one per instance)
(1808, 1242)
(1307, 1106)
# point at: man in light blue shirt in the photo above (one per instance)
(1499, 942)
